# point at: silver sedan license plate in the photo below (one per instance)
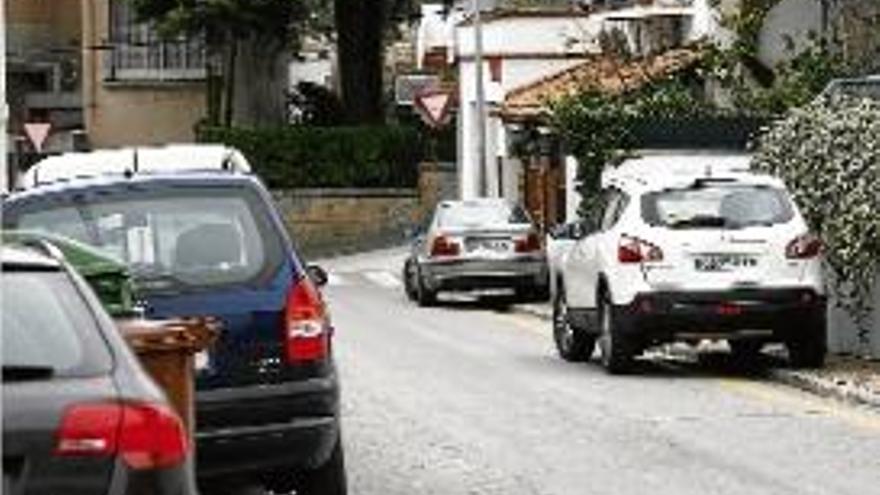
(493, 245)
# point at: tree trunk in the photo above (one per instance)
(360, 28)
(261, 83)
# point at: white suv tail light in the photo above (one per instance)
(635, 250)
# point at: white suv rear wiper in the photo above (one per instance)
(700, 221)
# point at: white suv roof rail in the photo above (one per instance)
(135, 160)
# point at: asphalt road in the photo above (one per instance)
(465, 399)
(470, 398)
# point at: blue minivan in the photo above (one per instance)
(209, 241)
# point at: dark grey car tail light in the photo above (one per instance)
(144, 435)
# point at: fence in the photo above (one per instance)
(161, 61)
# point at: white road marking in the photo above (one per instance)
(336, 280)
(383, 279)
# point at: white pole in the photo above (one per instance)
(480, 103)
(4, 108)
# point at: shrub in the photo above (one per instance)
(829, 155)
(300, 156)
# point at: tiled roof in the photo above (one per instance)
(602, 72)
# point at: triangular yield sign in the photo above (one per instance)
(37, 132)
(435, 105)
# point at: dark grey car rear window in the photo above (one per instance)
(173, 238)
(718, 206)
(47, 323)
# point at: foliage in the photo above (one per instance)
(747, 22)
(796, 82)
(243, 87)
(829, 155)
(223, 20)
(594, 127)
(771, 90)
(597, 127)
(299, 156)
(314, 105)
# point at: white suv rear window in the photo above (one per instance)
(717, 205)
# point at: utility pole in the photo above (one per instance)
(4, 107)
(480, 107)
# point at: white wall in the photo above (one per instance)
(531, 48)
(515, 73)
(530, 35)
(435, 30)
(312, 69)
(794, 19)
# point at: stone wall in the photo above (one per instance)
(843, 334)
(327, 222)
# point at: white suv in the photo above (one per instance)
(686, 248)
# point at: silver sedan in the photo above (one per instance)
(475, 245)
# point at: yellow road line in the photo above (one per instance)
(793, 400)
(528, 323)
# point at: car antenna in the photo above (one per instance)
(134, 164)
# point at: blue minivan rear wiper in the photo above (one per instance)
(21, 372)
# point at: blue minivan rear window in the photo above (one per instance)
(171, 238)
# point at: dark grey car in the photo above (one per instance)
(477, 244)
(80, 416)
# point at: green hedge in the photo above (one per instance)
(299, 156)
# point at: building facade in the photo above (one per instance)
(99, 77)
(523, 47)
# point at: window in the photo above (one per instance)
(47, 323)
(717, 206)
(477, 213)
(188, 238)
(495, 68)
(615, 203)
(138, 53)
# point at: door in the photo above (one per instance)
(583, 266)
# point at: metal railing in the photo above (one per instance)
(161, 61)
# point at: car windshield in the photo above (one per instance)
(188, 237)
(717, 206)
(48, 324)
(476, 213)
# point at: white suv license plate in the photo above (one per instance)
(724, 262)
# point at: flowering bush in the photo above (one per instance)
(828, 153)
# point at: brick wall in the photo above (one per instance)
(326, 222)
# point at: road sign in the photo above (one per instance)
(37, 132)
(434, 107)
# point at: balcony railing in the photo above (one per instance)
(156, 62)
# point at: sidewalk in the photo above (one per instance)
(844, 378)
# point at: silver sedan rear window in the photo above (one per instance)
(477, 213)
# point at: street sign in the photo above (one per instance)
(406, 87)
(434, 107)
(37, 132)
